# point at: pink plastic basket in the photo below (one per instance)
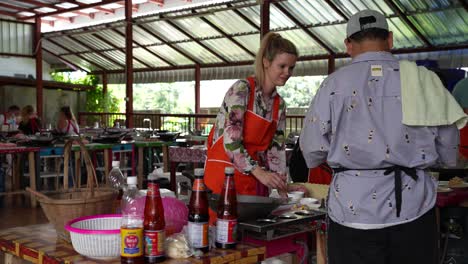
(96, 236)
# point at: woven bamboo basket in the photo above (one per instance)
(66, 205)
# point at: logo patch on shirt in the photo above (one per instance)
(376, 70)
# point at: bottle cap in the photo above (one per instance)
(199, 172)
(229, 170)
(132, 180)
(115, 163)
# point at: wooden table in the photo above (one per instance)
(184, 154)
(39, 244)
(32, 166)
(141, 145)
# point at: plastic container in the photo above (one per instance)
(96, 236)
(116, 177)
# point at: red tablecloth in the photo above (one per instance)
(452, 198)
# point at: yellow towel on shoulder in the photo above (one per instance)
(424, 99)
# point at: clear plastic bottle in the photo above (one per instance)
(132, 225)
(116, 177)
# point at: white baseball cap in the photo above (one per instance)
(365, 19)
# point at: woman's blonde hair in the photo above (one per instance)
(272, 45)
(26, 112)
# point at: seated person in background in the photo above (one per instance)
(67, 123)
(10, 117)
(30, 123)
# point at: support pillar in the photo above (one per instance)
(264, 18)
(38, 55)
(331, 65)
(129, 63)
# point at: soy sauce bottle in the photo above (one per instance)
(198, 214)
(226, 223)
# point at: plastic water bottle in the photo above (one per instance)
(116, 178)
(132, 224)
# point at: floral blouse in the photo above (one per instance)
(230, 124)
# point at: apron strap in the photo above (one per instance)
(397, 175)
(252, 93)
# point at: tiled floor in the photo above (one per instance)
(15, 210)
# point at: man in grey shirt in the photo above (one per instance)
(381, 199)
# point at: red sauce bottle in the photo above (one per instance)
(226, 223)
(198, 214)
(153, 225)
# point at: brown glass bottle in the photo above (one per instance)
(153, 225)
(226, 223)
(198, 214)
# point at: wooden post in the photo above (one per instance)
(264, 18)
(104, 83)
(129, 63)
(38, 54)
(331, 65)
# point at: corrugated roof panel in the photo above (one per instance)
(403, 36)
(80, 62)
(142, 37)
(164, 30)
(228, 49)
(251, 42)
(116, 55)
(69, 44)
(16, 38)
(171, 55)
(230, 22)
(333, 36)
(418, 5)
(106, 64)
(149, 58)
(93, 42)
(445, 27)
(113, 37)
(278, 19)
(311, 11)
(198, 52)
(349, 7)
(252, 13)
(52, 47)
(196, 27)
(303, 42)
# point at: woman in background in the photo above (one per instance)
(67, 123)
(30, 123)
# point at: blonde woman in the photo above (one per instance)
(30, 123)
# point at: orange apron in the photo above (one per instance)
(321, 174)
(257, 135)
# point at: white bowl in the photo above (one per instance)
(295, 196)
(312, 203)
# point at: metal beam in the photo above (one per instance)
(188, 56)
(307, 31)
(196, 41)
(18, 8)
(16, 55)
(220, 31)
(78, 55)
(264, 18)
(245, 18)
(42, 4)
(115, 47)
(197, 88)
(129, 62)
(403, 17)
(65, 60)
(38, 54)
(104, 83)
(145, 48)
(6, 13)
(336, 9)
(73, 9)
(105, 10)
(109, 58)
(331, 65)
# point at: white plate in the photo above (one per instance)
(443, 183)
(443, 190)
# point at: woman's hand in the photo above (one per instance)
(270, 179)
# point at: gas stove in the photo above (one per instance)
(283, 225)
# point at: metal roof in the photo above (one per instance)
(228, 33)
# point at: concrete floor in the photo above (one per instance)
(15, 210)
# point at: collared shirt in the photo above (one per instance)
(230, 123)
(354, 121)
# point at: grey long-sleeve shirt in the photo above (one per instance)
(354, 121)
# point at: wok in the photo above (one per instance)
(250, 207)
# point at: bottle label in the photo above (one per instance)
(132, 242)
(154, 243)
(153, 190)
(199, 185)
(226, 231)
(198, 234)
